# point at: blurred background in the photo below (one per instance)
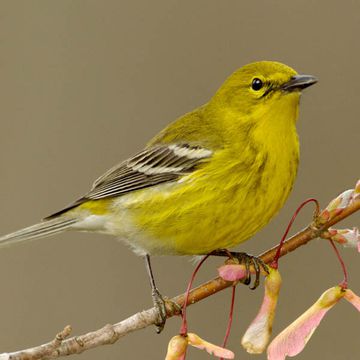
(85, 84)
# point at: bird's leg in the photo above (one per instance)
(247, 260)
(158, 300)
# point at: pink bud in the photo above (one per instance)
(293, 339)
(232, 272)
(258, 333)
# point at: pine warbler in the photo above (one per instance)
(210, 180)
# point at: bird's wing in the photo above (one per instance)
(152, 166)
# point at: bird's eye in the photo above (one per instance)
(257, 84)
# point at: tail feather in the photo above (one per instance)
(40, 230)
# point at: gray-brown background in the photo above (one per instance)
(84, 84)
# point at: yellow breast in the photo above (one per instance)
(218, 206)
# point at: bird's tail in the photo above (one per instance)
(40, 230)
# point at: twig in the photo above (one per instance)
(42, 351)
(109, 334)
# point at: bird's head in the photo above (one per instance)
(262, 88)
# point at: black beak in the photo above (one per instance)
(299, 82)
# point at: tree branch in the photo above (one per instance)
(109, 334)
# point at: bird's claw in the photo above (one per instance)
(248, 261)
(160, 304)
(164, 306)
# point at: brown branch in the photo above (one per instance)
(42, 351)
(109, 334)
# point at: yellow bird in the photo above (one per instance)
(208, 181)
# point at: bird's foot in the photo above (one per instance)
(248, 261)
(160, 305)
(163, 306)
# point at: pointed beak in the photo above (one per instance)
(299, 82)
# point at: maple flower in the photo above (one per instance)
(292, 340)
(177, 348)
(346, 237)
(258, 333)
(337, 205)
(178, 345)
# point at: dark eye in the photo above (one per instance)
(257, 84)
